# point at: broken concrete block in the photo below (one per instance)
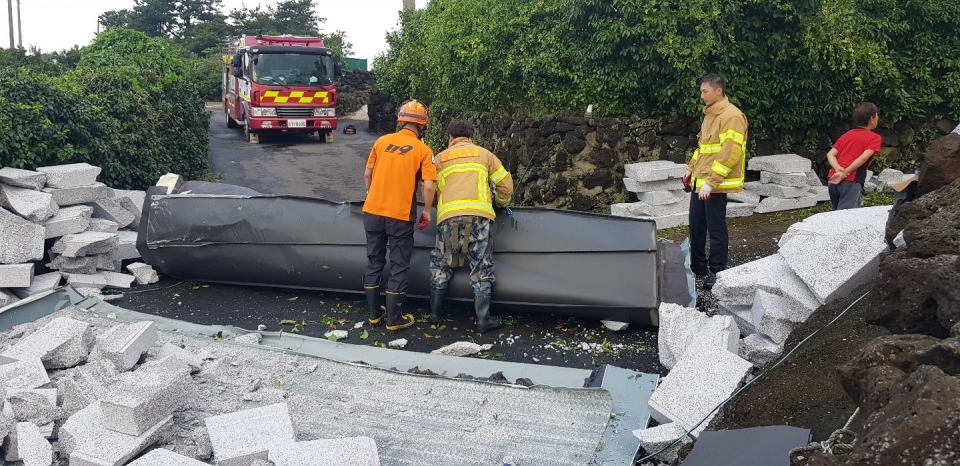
(20, 240)
(820, 193)
(85, 441)
(742, 315)
(460, 348)
(739, 285)
(703, 378)
(87, 243)
(32, 448)
(634, 186)
(844, 223)
(116, 280)
(777, 321)
(642, 209)
(351, 451)
(813, 179)
(36, 405)
(890, 176)
(775, 190)
(780, 163)
(79, 280)
(663, 197)
(102, 225)
(254, 338)
(89, 292)
(16, 275)
(833, 266)
(737, 210)
(129, 206)
(35, 206)
(774, 204)
(161, 457)
(22, 178)
(67, 221)
(126, 247)
(670, 221)
(656, 438)
(140, 399)
(85, 385)
(188, 358)
(86, 265)
(657, 170)
(111, 209)
(144, 273)
(744, 197)
(7, 298)
(23, 374)
(241, 437)
(135, 197)
(614, 325)
(124, 344)
(759, 349)
(40, 284)
(681, 327)
(79, 195)
(798, 180)
(60, 344)
(71, 175)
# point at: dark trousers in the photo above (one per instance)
(708, 216)
(846, 195)
(399, 234)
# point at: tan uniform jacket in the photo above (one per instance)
(719, 158)
(465, 173)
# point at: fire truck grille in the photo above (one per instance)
(294, 112)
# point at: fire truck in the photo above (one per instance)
(279, 83)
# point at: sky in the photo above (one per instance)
(60, 24)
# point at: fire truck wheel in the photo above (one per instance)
(231, 123)
(250, 136)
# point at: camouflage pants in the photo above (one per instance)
(448, 252)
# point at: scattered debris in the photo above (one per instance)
(252, 338)
(336, 335)
(614, 325)
(398, 343)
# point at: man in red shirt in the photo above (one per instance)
(851, 156)
(395, 167)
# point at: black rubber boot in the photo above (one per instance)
(375, 312)
(710, 281)
(396, 320)
(436, 304)
(485, 323)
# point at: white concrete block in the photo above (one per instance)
(71, 175)
(658, 170)
(67, 221)
(662, 197)
(22, 178)
(20, 240)
(820, 193)
(124, 344)
(192, 360)
(161, 457)
(890, 176)
(759, 349)
(116, 280)
(135, 197)
(79, 195)
(781, 163)
(87, 243)
(775, 190)
(86, 384)
(739, 285)
(779, 315)
(32, 448)
(86, 265)
(614, 326)
(701, 380)
(85, 441)
(102, 225)
(670, 221)
(126, 247)
(37, 405)
(36, 206)
(40, 284)
(813, 179)
(351, 451)
(111, 209)
(634, 186)
(460, 348)
(7, 298)
(833, 266)
(742, 315)
(171, 181)
(642, 209)
(842, 223)
(60, 344)
(798, 180)
(773, 204)
(90, 292)
(16, 275)
(143, 273)
(736, 210)
(681, 328)
(241, 437)
(140, 399)
(899, 241)
(134, 210)
(22, 374)
(744, 197)
(659, 437)
(79, 280)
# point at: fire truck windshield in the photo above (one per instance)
(291, 69)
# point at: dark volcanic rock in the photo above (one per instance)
(904, 294)
(941, 164)
(945, 355)
(874, 373)
(946, 292)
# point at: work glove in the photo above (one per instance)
(424, 220)
(705, 192)
(686, 182)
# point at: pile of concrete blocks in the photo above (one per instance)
(659, 188)
(787, 182)
(884, 181)
(820, 259)
(92, 229)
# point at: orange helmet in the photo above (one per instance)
(413, 111)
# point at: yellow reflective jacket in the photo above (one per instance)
(465, 173)
(718, 160)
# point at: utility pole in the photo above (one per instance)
(10, 14)
(19, 29)
(409, 5)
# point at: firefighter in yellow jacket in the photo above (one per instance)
(470, 180)
(715, 171)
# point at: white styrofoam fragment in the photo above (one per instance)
(102, 225)
(192, 360)
(742, 315)
(744, 197)
(820, 193)
(124, 344)
(79, 280)
(460, 348)
(116, 280)
(126, 246)
(813, 179)
(111, 209)
(32, 447)
(615, 325)
(890, 176)
(779, 315)
(670, 221)
(87, 243)
(7, 298)
(23, 374)
(682, 327)
(140, 399)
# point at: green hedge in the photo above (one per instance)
(792, 64)
(126, 108)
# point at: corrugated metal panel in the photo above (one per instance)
(352, 64)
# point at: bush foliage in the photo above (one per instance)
(792, 64)
(126, 108)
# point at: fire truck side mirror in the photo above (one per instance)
(238, 65)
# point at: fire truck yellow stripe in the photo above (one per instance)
(281, 100)
(306, 100)
(296, 94)
(271, 93)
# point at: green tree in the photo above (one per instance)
(296, 17)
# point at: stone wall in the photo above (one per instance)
(353, 91)
(574, 162)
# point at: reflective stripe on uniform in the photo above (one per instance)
(737, 137)
(481, 203)
(720, 169)
(499, 175)
(454, 206)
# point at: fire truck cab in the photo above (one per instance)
(279, 83)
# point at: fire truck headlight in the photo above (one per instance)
(263, 111)
(324, 112)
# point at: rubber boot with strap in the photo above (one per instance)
(485, 323)
(396, 320)
(375, 312)
(436, 304)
